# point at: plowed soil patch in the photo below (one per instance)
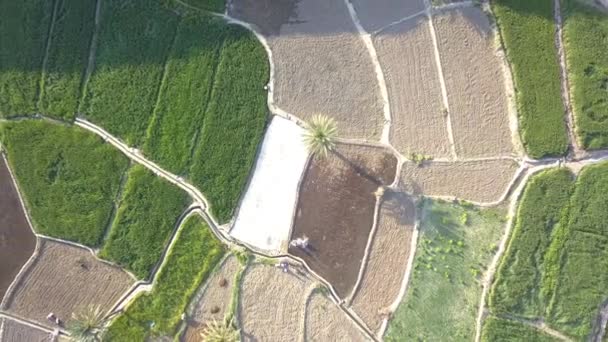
(477, 181)
(336, 211)
(65, 279)
(17, 242)
(272, 304)
(378, 13)
(475, 83)
(387, 261)
(14, 331)
(406, 54)
(325, 322)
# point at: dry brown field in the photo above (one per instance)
(325, 322)
(65, 279)
(14, 331)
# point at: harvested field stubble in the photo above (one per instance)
(272, 304)
(378, 13)
(387, 260)
(418, 124)
(326, 322)
(336, 210)
(65, 279)
(13, 331)
(475, 83)
(17, 242)
(475, 181)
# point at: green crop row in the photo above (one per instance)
(528, 33)
(195, 254)
(217, 6)
(69, 178)
(585, 32)
(145, 221)
(502, 330)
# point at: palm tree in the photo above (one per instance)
(223, 331)
(320, 135)
(87, 325)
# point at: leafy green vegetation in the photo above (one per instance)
(528, 33)
(145, 220)
(23, 35)
(134, 42)
(217, 6)
(502, 330)
(234, 124)
(195, 253)
(516, 289)
(586, 41)
(67, 57)
(69, 178)
(456, 243)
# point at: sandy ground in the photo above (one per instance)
(17, 241)
(326, 322)
(272, 304)
(406, 54)
(477, 181)
(213, 300)
(387, 260)
(374, 14)
(321, 64)
(14, 331)
(63, 280)
(264, 218)
(336, 211)
(475, 83)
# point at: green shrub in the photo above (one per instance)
(195, 253)
(145, 220)
(69, 178)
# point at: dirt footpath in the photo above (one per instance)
(336, 211)
(17, 242)
(326, 322)
(272, 304)
(387, 261)
(213, 300)
(14, 331)
(63, 280)
(475, 83)
(321, 64)
(378, 13)
(477, 181)
(406, 54)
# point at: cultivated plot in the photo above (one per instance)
(13, 331)
(475, 181)
(385, 268)
(265, 217)
(326, 322)
(376, 14)
(336, 211)
(17, 241)
(418, 122)
(65, 279)
(475, 83)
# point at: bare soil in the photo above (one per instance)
(213, 301)
(336, 211)
(65, 279)
(16, 332)
(476, 181)
(272, 304)
(378, 13)
(406, 54)
(475, 83)
(387, 260)
(17, 241)
(325, 322)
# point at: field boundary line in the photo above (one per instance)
(600, 326)
(92, 54)
(30, 323)
(117, 200)
(304, 307)
(45, 59)
(398, 21)
(538, 325)
(452, 6)
(380, 78)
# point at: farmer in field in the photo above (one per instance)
(302, 242)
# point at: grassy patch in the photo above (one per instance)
(23, 33)
(194, 255)
(68, 58)
(516, 289)
(217, 6)
(455, 245)
(146, 217)
(69, 178)
(134, 41)
(528, 33)
(234, 122)
(586, 40)
(502, 330)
